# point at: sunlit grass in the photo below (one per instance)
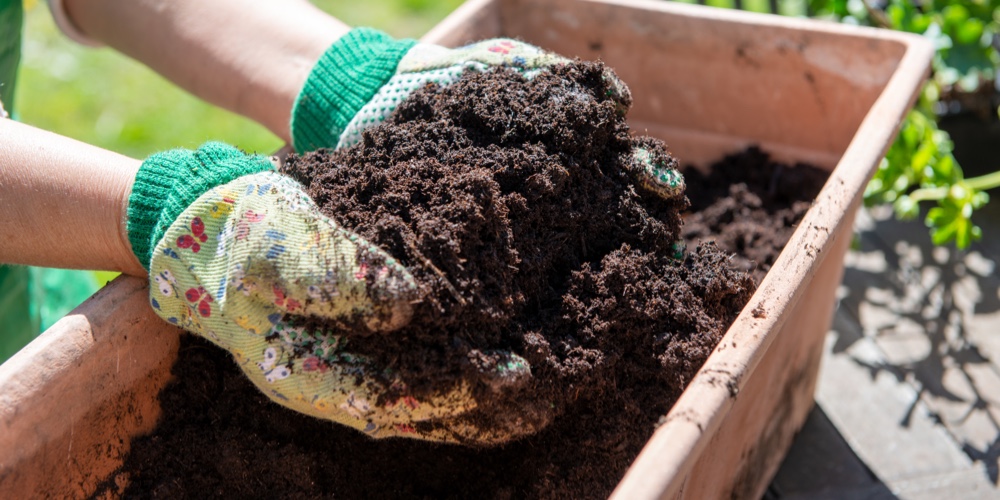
(106, 99)
(103, 98)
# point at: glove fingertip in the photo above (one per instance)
(501, 370)
(617, 91)
(391, 290)
(657, 174)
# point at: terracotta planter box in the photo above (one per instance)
(708, 82)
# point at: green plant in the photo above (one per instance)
(962, 31)
(919, 166)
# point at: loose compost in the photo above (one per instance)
(515, 204)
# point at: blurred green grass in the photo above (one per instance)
(101, 97)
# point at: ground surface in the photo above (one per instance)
(908, 402)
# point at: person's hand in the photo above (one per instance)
(361, 79)
(240, 255)
(365, 75)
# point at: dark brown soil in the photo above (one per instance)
(547, 247)
(518, 209)
(749, 205)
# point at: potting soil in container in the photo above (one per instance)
(516, 207)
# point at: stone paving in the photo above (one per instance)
(908, 402)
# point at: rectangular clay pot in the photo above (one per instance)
(708, 82)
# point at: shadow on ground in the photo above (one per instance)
(934, 310)
(822, 465)
(931, 311)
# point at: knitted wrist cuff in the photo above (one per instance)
(168, 182)
(346, 77)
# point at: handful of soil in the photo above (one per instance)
(517, 207)
(613, 337)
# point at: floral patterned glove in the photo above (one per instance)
(361, 79)
(238, 253)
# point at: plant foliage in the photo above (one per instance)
(919, 166)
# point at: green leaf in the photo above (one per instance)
(954, 15)
(920, 23)
(940, 39)
(923, 156)
(970, 32)
(951, 220)
(905, 208)
(966, 59)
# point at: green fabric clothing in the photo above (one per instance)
(20, 322)
(11, 18)
(56, 292)
(31, 298)
(168, 182)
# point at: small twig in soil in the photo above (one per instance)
(427, 262)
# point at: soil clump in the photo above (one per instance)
(749, 205)
(518, 210)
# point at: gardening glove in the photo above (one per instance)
(361, 79)
(240, 255)
(656, 172)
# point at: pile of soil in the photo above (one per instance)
(519, 208)
(749, 205)
(522, 220)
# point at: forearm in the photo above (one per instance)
(248, 56)
(63, 202)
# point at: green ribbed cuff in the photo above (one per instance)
(346, 77)
(168, 182)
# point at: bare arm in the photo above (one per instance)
(64, 202)
(249, 56)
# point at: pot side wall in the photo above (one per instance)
(72, 400)
(707, 81)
